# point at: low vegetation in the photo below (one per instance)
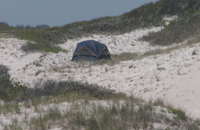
(11, 91)
(185, 27)
(89, 107)
(45, 38)
(117, 58)
(116, 115)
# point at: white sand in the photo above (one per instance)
(172, 77)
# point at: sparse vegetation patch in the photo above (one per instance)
(148, 15)
(90, 107)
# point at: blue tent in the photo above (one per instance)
(90, 50)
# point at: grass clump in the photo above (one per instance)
(9, 90)
(31, 47)
(118, 58)
(180, 114)
(14, 125)
(124, 56)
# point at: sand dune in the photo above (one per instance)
(173, 77)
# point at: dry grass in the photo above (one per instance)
(129, 113)
(89, 107)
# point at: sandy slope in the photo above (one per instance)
(173, 77)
